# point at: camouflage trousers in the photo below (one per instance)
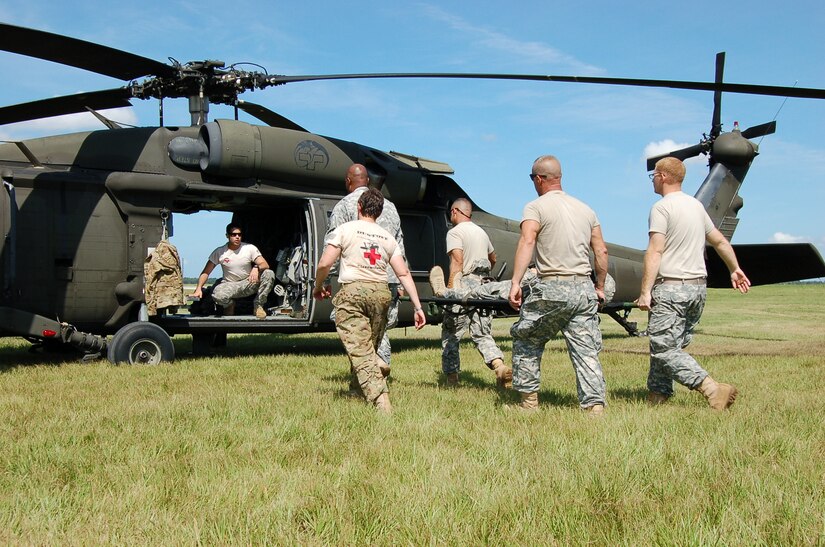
(384, 348)
(227, 291)
(569, 307)
(675, 313)
(456, 322)
(361, 319)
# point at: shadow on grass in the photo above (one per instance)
(635, 394)
(256, 344)
(316, 346)
(13, 357)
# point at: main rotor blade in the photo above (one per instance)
(268, 116)
(750, 89)
(682, 154)
(760, 130)
(79, 53)
(68, 104)
(716, 121)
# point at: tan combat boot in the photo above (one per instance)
(530, 401)
(382, 404)
(260, 312)
(504, 374)
(452, 379)
(437, 281)
(720, 396)
(654, 399)
(595, 410)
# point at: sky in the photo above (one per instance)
(488, 131)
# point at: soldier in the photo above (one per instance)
(498, 290)
(472, 258)
(361, 304)
(346, 210)
(674, 286)
(245, 272)
(562, 231)
(494, 290)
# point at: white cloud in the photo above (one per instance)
(781, 237)
(666, 146)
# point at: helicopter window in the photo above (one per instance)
(419, 235)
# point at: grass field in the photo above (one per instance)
(262, 444)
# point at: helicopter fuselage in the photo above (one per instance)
(81, 213)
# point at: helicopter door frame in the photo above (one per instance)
(318, 211)
(8, 245)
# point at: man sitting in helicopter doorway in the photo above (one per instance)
(245, 272)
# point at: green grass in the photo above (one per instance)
(262, 444)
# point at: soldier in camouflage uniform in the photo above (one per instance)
(562, 231)
(499, 290)
(472, 258)
(346, 210)
(494, 290)
(361, 304)
(674, 288)
(245, 272)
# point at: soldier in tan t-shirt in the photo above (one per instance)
(674, 287)
(472, 258)
(562, 231)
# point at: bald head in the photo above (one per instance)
(464, 208)
(547, 165)
(356, 177)
(546, 174)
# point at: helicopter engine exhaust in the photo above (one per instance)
(241, 150)
(238, 150)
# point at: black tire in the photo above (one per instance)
(141, 343)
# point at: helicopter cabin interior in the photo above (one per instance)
(289, 232)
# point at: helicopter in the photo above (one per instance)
(81, 213)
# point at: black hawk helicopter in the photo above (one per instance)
(80, 213)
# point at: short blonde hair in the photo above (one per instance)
(672, 167)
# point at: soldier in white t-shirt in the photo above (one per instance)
(674, 286)
(361, 304)
(245, 272)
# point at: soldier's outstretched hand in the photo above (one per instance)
(740, 281)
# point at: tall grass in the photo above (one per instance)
(263, 444)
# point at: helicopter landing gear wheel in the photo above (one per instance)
(141, 343)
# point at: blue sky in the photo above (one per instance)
(489, 132)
